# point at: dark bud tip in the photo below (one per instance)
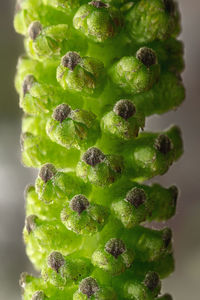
(88, 286)
(24, 279)
(125, 109)
(98, 4)
(169, 6)
(93, 156)
(152, 280)
(163, 144)
(174, 191)
(56, 261)
(39, 295)
(61, 112)
(79, 203)
(47, 172)
(136, 197)
(30, 223)
(71, 60)
(147, 56)
(34, 30)
(166, 297)
(167, 237)
(115, 247)
(27, 84)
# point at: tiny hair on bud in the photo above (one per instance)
(124, 108)
(93, 156)
(88, 286)
(61, 112)
(115, 247)
(147, 56)
(71, 60)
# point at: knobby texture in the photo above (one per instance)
(91, 74)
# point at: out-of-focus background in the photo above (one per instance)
(184, 284)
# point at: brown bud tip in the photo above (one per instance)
(169, 6)
(167, 236)
(98, 4)
(147, 56)
(27, 84)
(55, 261)
(124, 109)
(136, 197)
(79, 203)
(47, 172)
(163, 144)
(39, 295)
(61, 112)
(152, 280)
(30, 223)
(24, 279)
(88, 286)
(174, 191)
(71, 60)
(115, 247)
(93, 156)
(34, 29)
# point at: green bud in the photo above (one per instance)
(83, 217)
(97, 21)
(63, 270)
(36, 150)
(67, 6)
(80, 74)
(136, 74)
(52, 184)
(114, 258)
(153, 154)
(98, 168)
(168, 93)
(159, 20)
(68, 128)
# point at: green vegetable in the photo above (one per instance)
(92, 73)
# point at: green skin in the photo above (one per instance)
(83, 228)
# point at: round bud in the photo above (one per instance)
(39, 295)
(147, 56)
(163, 144)
(124, 109)
(152, 281)
(55, 261)
(30, 223)
(88, 286)
(98, 4)
(136, 197)
(115, 247)
(169, 6)
(27, 84)
(167, 236)
(47, 172)
(34, 29)
(61, 112)
(71, 60)
(79, 203)
(93, 156)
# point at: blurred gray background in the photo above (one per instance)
(184, 284)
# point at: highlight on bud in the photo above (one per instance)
(80, 74)
(100, 169)
(114, 257)
(132, 75)
(83, 217)
(97, 21)
(72, 128)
